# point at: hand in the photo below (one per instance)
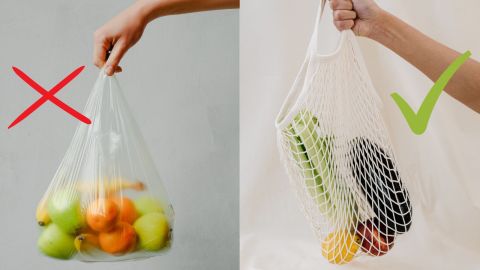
(362, 16)
(118, 35)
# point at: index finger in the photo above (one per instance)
(341, 4)
(100, 50)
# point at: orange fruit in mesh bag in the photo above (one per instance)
(121, 239)
(102, 214)
(127, 212)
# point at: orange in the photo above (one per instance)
(121, 239)
(127, 212)
(102, 214)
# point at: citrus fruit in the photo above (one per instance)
(121, 239)
(340, 247)
(102, 214)
(126, 210)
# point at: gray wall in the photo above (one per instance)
(181, 81)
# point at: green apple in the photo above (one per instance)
(64, 210)
(148, 204)
(152, 230)
(54, 242)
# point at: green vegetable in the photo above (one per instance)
(314, 154)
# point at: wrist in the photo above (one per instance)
(145, 11)
(381, 28)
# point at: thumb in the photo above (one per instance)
(118, 51)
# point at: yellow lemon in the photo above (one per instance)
(340, 247)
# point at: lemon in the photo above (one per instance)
(340, 247)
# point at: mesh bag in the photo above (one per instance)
(106, 201)
(338, 155)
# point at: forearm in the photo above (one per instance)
(430, 57)
(152, 9)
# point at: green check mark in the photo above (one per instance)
(418, 122)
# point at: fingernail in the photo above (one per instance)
(109, 70)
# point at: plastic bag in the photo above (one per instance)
(339, 157)
(106, 201)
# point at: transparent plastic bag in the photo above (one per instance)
(106, 201)
(339, 157)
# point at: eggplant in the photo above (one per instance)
(379, 180)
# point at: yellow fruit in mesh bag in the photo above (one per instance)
(340, 247)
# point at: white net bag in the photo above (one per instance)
(106, 202)
(337, 152)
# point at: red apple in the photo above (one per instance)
(373, 241)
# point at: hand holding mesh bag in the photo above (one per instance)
(340, 160)
(106, 201)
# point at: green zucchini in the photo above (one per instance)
(315, 156)
(313, 180)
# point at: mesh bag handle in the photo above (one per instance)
(347, 38)
(314, 41)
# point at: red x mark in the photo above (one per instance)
(49, 95)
